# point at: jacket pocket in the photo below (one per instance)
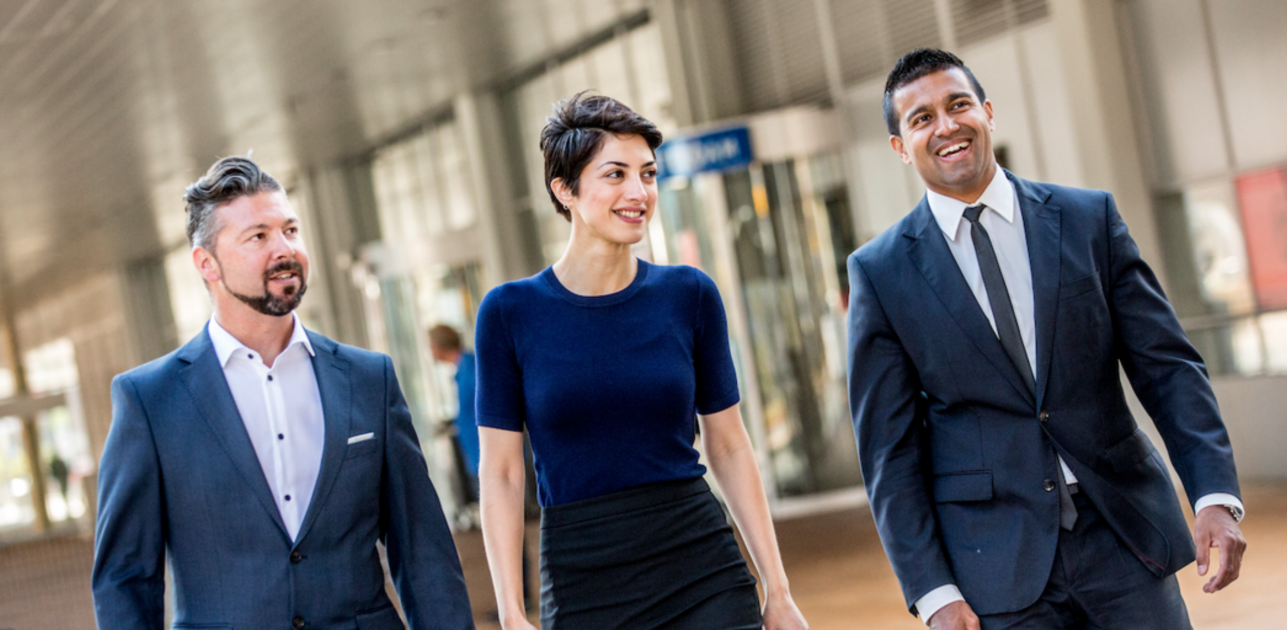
(1127, 453)
(961, 487)
(365, 447)
(383, 619)
(1080, 286)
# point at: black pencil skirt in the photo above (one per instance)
(657, 556)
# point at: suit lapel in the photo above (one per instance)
(929, 252)
(1041, 223)
(205, 381)
(332, 373)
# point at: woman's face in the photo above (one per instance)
(618, 191)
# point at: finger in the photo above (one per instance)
(1231, 549)
(1203, 542)
(1217, 581)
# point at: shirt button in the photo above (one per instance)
(270, 377)
(288, 497)
(1043, 416)
(1049, 485)
(281, 436)
(295, 557)
(250, 356)
(297, 623)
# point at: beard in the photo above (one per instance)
(275, 305)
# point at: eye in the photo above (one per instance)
(257, 236)
(615, 174)
(292, 230)
(961, 104)
(650, 173)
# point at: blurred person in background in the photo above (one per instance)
(263, 460)
(607, 361)
(1010, 484)
(445, 346)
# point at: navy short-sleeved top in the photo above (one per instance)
(609, 386)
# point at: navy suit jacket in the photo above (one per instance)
(179, 478)
(957, 454)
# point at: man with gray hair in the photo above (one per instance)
(265, 461)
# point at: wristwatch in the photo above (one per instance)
(1236, 512)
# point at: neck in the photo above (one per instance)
(975, 191)
(265, 334)
(592, 266)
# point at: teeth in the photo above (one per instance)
(952, 149)
(630, 214)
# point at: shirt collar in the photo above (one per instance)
(949, 212)
(225, 344)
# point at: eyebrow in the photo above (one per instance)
(950, 97)
(264, 226)
(623, 164)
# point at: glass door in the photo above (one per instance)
(775, 237)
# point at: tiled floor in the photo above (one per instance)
(841, 579)
(838, 572)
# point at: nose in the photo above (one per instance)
(946, 124)
(636, 189)
(283, 246)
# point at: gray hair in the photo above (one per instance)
(227, 180)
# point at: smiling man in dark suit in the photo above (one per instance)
(1009, 481)
(264, 460)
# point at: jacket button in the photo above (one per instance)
(1043, 416)
(296, 556)
(297, 623)
(1049, 485)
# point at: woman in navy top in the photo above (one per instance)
(607, 361)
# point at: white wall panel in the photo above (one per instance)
(1251, 50)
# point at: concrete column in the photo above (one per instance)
(504, 249)
(1105, 140)
(700, 61)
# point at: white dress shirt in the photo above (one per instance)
(1004, 223)
(281, 408)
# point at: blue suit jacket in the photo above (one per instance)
(954, 449)
(180, 478)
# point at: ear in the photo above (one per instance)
(206, 264)
(987, 108)
(897, 143)
(561, 191)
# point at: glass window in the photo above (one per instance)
(16, 509)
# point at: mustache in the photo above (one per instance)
(285, 265)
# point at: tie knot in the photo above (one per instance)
(972, 213)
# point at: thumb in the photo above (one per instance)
(1203, 541)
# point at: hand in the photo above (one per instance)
(781, 613)
(1215, 527)
(517, 623)
(955, 616)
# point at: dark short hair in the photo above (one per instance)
(444, 337)
(575, 133)
(227, 180)
(914, 65)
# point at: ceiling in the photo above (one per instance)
(108, 108)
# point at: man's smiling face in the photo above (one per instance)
(946, 133)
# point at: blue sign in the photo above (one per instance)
(721, 150)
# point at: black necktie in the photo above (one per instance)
(999, 298)
(1008, 332)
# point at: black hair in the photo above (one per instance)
(575, 133)
(914, 65)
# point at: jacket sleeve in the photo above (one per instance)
(1165, 370)
(128, 579)
(422, 554)
(888, 413)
